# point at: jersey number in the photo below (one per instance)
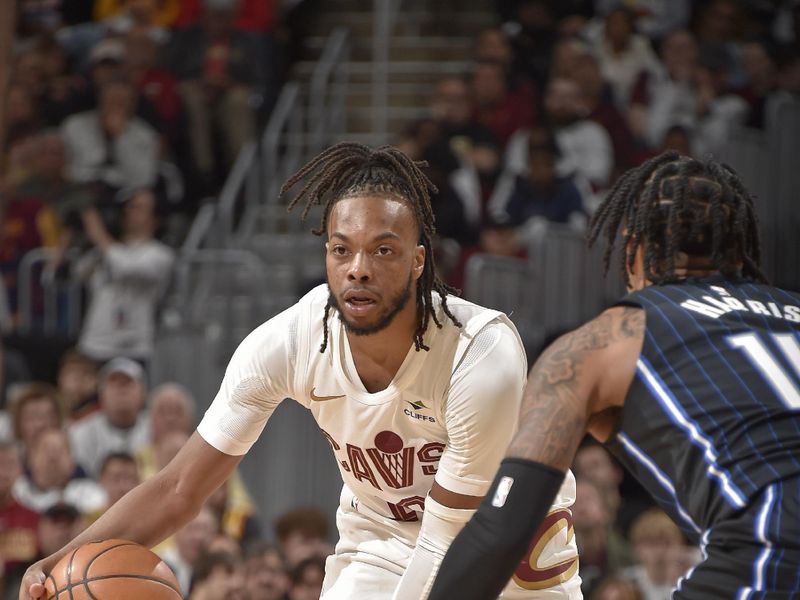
(786, 385)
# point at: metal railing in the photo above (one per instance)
(37, 287)
(384, 17)
(328, 90)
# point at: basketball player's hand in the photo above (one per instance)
(32, 587)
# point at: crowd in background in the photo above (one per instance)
(123, 114)
(70, 451)
(562, 97)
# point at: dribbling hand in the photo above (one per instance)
(32, 587)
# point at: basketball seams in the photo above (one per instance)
(69, 575)
(70, 583)
(86, 580)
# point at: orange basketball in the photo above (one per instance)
(112, 570)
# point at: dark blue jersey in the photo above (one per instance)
(712, 417)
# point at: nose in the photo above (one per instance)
(360, 268)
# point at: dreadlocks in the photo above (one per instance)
(348, 169)
(673, 204)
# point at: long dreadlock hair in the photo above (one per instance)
(348, 169)
(673, 204)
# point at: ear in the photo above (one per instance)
(419, 261)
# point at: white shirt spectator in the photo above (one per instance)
(94, 438)
(126, 283)
(585, 147)
(83, 493)
(129, 160)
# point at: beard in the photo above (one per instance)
(396, 304)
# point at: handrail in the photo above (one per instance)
(25, 295)
(233, 185)
(322, 114)
(384, 13)
(286, 117)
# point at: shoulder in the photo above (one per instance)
(614, 325)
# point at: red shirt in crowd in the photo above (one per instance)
(18, 537)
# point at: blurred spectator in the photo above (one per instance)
(624, 55)
(677, 138)
(266, 576)
(111, 145)
(446, 141)
(302, 532)
(127, 279)
(163, 12)
(121, 425)
(43, 180)
(616, 588)
(654, 18)
(660, 101)
(594, 463)
(22, 116)
(533, 34)
(235, 511)
(602, 549)
(256, 16)
(716, 109)
(154, 83)
(222, 542)
(37, 16)
(13, 372)
(190, 543)
(118, 476)
(656, 542)
(599, 102)
(35, 408)
(719, 22)
(585, 146)
(18, 524)
(307, 579)
(77, 385)
(543, 196)
(217, 576)
(149, 17)
(171, 409)
(53, 477)
(762, 78)
(500, 109)
(478, 182)
(58, 525)
(218, 68)
(27, 222)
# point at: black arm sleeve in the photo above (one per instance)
(484, 556)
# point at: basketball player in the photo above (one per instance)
(692, 381)
(416, 390)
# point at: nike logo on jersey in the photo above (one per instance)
(323, 398)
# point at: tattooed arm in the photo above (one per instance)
(577, 385)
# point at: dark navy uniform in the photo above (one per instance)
(711, 427)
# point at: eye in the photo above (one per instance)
(339, 250)
(384, 251)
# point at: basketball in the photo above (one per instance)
(111, 570)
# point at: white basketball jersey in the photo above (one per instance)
(389, 444)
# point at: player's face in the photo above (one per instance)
(373, 261)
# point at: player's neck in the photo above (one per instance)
(378, 356)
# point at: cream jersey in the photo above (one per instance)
(448, 414)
